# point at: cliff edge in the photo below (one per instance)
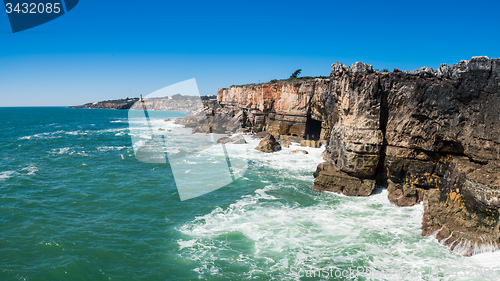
(430, 136)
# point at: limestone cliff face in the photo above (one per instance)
(430, 136)
(426, 135)
(282, 108)
(356, 136)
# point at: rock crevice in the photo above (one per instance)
(381, 178)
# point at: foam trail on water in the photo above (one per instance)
(273, 237)
(6, 175)
(30, 170)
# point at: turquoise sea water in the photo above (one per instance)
(75, 204)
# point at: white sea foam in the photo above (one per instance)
(76, 133)
(6, 175)
(109, 148)
(115, 130)
(56, 134)
(63, 150)
(83, 153)
(486, 260)
(336, 231)
(69, 151)
(61, 133)
(30, 170)
(188, 243)
(46, 135)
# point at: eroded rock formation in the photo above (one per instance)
(268, 144)
(429, 136)
(283, 109)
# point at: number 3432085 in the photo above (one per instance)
(33, 8)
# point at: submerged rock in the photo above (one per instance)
(299, 151)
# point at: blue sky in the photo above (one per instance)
(122, 48)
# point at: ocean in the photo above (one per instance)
(76, 204)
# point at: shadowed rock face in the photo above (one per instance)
(426, 135)
(356, 135)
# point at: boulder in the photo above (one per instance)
(428, 136)
(330, 178)
(268, 144)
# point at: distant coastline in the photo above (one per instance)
(110, 104)
(175, 102)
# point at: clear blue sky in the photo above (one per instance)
(110, 49)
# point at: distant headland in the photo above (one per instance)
(110, 104)
(176, 102)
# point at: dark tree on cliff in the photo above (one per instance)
(296, 73)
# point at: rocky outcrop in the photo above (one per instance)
(330, 178)
(426, 135)
(285, 143)
(430, 136)
(283, 109)
(443, 139)
(268, 144)
(357, 133)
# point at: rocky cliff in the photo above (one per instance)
(285, 109)
(427, 135)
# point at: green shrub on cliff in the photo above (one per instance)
(295, 74)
